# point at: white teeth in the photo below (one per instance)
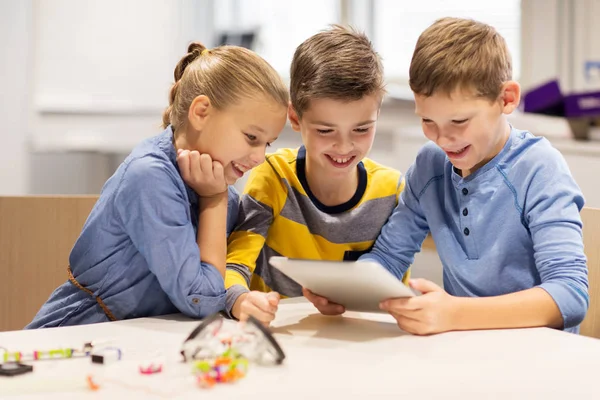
(238, 166)
(341, 160)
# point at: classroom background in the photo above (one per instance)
(83, 81)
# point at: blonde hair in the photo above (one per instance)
(456, 53)
(224, 74)
(339, 63)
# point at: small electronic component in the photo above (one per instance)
(106, 355)
(13, 369)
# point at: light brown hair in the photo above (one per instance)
(339, 63)
(224, 74)
(463, 54)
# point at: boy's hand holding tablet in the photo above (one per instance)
(321, 303)
(432, 312)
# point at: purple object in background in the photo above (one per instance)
(544, 99)
(582, 105)
(580, 109)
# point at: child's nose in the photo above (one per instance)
(257, 156)
(344, 145)
(444, 140)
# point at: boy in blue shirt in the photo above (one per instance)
(500, 203)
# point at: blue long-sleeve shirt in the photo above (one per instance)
(512, 225)
(137, 250)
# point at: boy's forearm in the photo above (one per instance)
(528, 308)
(212, 231)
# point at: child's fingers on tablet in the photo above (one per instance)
(324, 306)
(331, 309)
(401, 304)
(313, 298)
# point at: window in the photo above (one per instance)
(394, 25)
(398, 24)
(281, 25)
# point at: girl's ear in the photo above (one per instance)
(199, 111)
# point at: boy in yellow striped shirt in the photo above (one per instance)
(325, 200)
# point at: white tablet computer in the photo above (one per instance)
(357, 285)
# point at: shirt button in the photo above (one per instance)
(466, 231)
(195, 300)
(465, 191)
(465, 212)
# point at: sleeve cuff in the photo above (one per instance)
(231, 296)
(572, 301)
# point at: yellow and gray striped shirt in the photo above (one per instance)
(279, 216)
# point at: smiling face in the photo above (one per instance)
(237, 136)
(337, 134)
(470, 129)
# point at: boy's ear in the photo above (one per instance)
(510, 96)
(199, 112)
(293, 117)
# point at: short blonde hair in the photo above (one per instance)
(224, 74)
(339, 63)
(460, 54)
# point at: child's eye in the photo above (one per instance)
(250, 137)
(426, 121)
(459, 121)
(324, 131)
(361, 130)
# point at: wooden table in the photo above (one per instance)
(355, 356)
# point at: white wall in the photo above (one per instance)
(15, 29)
(586, 46)
(103, 70)
(81, 76)
(544, 40)
(558, 38)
